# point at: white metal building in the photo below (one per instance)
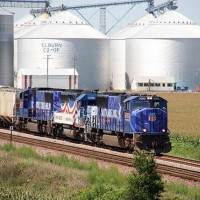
(70, 42)
(145, 83)
(118, 51)
(168, 46)
(54, 78)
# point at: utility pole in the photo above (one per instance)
(47, 58)
(11, 129)
(149, 84)
(75, 59)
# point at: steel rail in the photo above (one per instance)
(179, 160)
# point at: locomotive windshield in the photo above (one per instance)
(149, 104)
(92, 103)
(140, 105)
(158, 104)
(67, 98)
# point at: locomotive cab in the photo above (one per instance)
(147, 117)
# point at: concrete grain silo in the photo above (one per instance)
(6, 48)
(168, 47)
(70, 43)
(118, 51)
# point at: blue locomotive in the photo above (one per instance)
(131, 121)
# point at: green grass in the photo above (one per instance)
(184, 113)
(184, 146)
(55, 176)
(181, 191)
(23, 151)
(6, 193)
(104, 184)
(26, 175)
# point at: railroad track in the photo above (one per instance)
(178, 160)
(170, 165)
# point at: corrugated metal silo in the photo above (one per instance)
(118, 51)
(6, 48)
(70, 42)
(24, 20)
(169, 46)
(22, 27)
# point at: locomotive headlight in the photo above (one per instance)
(144, 130)
(163, 130)
(149, 98)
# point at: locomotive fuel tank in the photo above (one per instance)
(70, 133)
(32, 126)
(114, 141)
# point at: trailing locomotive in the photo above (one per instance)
(130, 121)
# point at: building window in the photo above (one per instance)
(157, 84)
(169, 84)
(163, 84)
(140, 84)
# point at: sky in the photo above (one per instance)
(189, 8)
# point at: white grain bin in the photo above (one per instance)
(24, 26)
(23, 21)
(169, 46)
(118, 51)
(27, 26)
(6, 48)
(70, 43)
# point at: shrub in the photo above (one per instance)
(145, 183)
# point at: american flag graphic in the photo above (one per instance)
(69, 108)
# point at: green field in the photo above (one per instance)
(184, 113)
(184, 123)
